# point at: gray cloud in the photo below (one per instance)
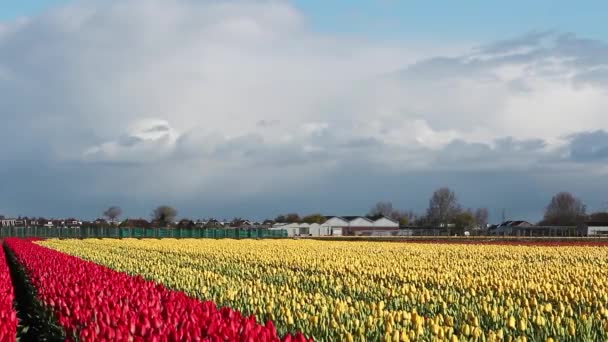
(589, 146)
(243, 102)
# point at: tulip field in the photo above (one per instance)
(91, 302)
(327, 290)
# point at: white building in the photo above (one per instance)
(343, 225)
(595, 229)
(8, 222)
(293, 229)
(360, 222)
(385, 222)
(316, 229)
(338, 226)
(335, 225)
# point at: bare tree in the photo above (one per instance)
(408, 218)
(112, 213)
(564, 210)
(164, 215)
(382, 209)
(443, 207)
(386, 209)
(481, 217)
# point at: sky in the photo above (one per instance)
(254, 108)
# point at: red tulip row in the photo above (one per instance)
(95, 303)
(8, 316)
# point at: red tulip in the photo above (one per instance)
(8, 316)
(93, 302)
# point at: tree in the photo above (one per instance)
(280, 219)
(313, 218)
(600, 216)
(292, 218)
(481, 217)
(186, 223)
(564, 210)
(443, 207)
(164, 215)
(112, 213)
(408, 218)
(464, 220)
(385, 209)
(382, 209)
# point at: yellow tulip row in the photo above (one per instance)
(362, 291)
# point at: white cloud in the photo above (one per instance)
(198, 95)
(148, 140)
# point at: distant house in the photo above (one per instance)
(21, 223)
(240, 223)
(8, 222)
(72, 223)
(185, 223)
(213, 223)
(101, 223)
(36, 222)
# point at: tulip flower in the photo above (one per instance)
(94, 303)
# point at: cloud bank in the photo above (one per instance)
(240, 107)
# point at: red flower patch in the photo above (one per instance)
(8, 316)
(94, 303)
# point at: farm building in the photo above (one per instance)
(303, 229)
(509, 227)
(292, 229)
(594, 229)
(340, 225)
(524, 228)
(359, 225)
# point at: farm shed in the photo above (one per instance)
(594, 229)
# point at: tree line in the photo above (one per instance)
(564, 209)
(163, 215)
(444, 210)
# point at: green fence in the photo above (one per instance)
(178, 233)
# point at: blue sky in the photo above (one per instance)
(462, 20)
(262, 107)
(457, 19)
(14, 9)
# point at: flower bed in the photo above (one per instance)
(373, 291)
(95, 303)
(8, 316)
